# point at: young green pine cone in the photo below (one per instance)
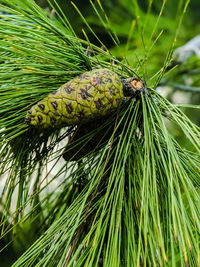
(87, 97)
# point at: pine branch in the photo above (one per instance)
(132, 199)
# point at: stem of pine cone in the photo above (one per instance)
(133, 86)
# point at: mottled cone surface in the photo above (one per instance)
(89, 96)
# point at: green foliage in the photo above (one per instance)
(133, 198)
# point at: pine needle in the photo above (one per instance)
(133, 199)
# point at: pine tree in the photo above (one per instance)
(127, 193)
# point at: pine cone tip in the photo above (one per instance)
(133, 86)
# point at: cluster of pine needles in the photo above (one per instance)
(134, 201)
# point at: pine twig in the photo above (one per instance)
(186, 88)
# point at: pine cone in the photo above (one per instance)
(89, 96)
